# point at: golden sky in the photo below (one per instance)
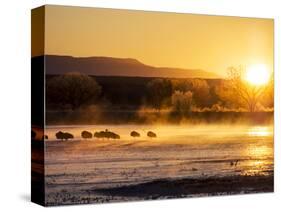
(161, 39)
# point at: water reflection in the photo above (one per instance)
(259, 131)
(259, 154)
(178, 150)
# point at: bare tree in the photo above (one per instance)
(268, 96)
(240, 92)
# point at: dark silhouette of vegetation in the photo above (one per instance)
(199, 88)
(159, 92)
(239, 92)
(86, 134)
(64, 135)
(127, 93)
(267, 98)
(151, 134)
(182, 102)
(135, 134)
(153, 100)
(72, 89)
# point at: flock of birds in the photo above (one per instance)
(106, 134)
(109, 135)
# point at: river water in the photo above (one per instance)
(179, 151)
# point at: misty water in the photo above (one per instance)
(177, 152)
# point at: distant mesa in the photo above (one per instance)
(109, 66)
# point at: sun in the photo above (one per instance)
(257, 74)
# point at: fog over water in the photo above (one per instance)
(178, 151)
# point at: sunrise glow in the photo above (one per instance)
(257, 74)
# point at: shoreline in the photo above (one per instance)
(113, 117)
(164, 188)
(168, 189)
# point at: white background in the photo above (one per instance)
(15, 104)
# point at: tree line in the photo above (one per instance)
(75, 90)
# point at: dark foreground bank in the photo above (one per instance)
(170, 188)
(186, 187)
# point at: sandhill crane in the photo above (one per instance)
(106, 134)
(85, 134)
(64, 135)
(151, 134)
(135, 134)
(234, 163)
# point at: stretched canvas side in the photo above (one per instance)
(37, 106)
